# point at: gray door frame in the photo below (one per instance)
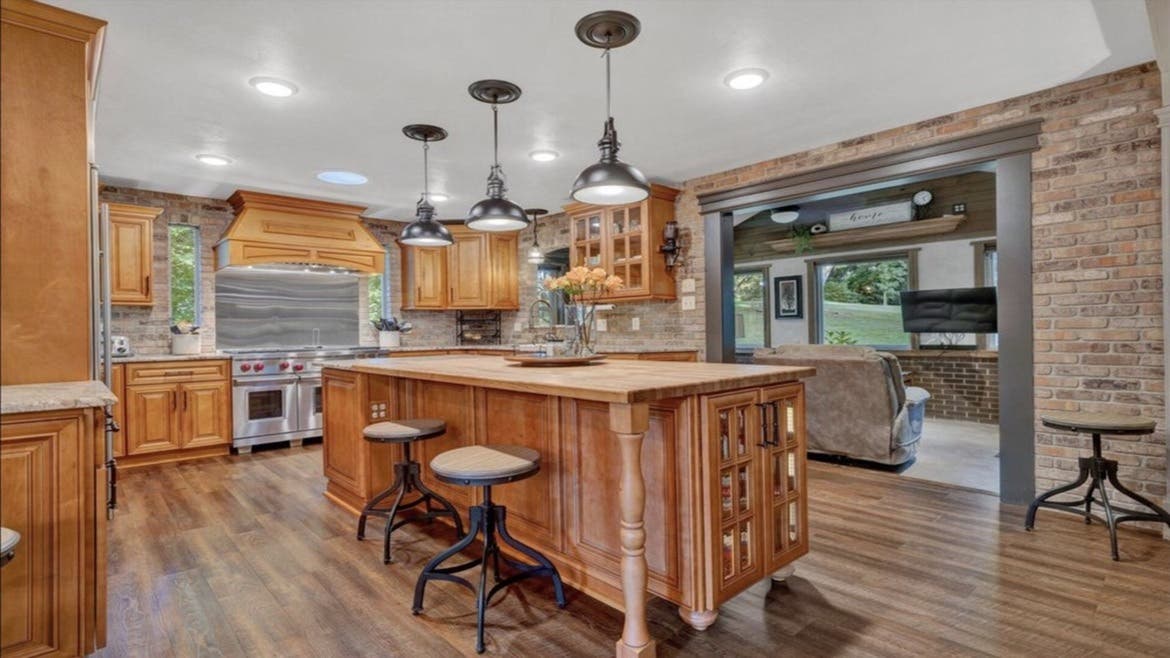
(1010, 148)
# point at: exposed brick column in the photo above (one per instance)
(1164, 125)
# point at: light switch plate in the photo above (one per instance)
(518, 326)
(688, 303)
(635, 324)
(688, 285)
(602, 325)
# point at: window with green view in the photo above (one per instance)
(378, 292)
(859, 301)
(751, 309)
(183, 256)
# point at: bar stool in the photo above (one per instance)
(486, 466)
(1098, 469)
(8, 540)
(406, 479)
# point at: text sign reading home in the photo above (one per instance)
(888, 214)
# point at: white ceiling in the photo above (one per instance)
(174, 84)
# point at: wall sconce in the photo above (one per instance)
(670, 245)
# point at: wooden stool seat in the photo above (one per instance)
(400, 431)
(8, 540)
(1087, 423)
(1096, 470)
(485, 465)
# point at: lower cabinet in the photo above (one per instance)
(53, 484)
(172, 414)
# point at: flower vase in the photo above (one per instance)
(582, 316)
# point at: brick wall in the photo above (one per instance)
(148, 327)
(963, 384)
(1097, 240)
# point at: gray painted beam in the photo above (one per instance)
(719, 301)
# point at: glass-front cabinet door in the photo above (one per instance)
(585, 234)
(732, 423)
(626, 238)
(784, 474)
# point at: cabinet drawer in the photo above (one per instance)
(177, 371)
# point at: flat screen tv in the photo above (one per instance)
(949, 311)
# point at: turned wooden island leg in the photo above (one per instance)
(630, 422)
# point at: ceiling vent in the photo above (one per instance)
(270, 229)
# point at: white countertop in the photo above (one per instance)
(23, 398)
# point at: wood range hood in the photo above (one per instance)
(271, 229)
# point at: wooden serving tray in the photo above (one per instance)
(553, 361)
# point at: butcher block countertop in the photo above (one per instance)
(621, 381)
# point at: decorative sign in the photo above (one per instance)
(891, 213)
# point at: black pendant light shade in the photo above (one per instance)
(495, 213)
(610, 181)
(425, 230)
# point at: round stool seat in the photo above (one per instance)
(401, 431)
(1097, 423)
(485, 465)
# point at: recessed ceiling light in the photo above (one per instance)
(745, 78)
(786, 215)
(213, 160)
(544, 155)
(438, 197)
(273, 87)
(342, 178)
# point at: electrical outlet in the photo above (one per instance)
(688, 303)
(635, 324)
(518, 326)
(602, 325)
(688, 285)
(958, 209)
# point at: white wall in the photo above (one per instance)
(949, 264)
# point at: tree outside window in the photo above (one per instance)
(184, 262)
(860, 301)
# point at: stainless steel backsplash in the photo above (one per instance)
(279, 308)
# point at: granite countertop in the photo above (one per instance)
(55, 396)
(141, 358)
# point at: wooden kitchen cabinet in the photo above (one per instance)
(754, 452)
(479, 271)
(624, 240)
(131, 253)
(173, 411)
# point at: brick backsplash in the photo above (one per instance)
(963, 385)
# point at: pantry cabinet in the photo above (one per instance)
(479, 271)
(754, 454)
(624, 240)
(131, 250)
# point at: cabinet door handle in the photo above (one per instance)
(417, 294)
(178, 373)
(185, 394)
(174, 401)
(763, 407)
(776, 422)
(146, 283)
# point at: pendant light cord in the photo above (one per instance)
(426, 172)
(496, 134)
(608, 111)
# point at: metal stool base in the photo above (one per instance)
(406, 480)
(1097, 470)
(492, 520)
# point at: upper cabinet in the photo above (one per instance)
(479, 271)
(131, 247)
(624, 240)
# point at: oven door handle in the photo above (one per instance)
(264, 382)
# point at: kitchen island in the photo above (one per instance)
(720, 448)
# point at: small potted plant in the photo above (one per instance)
(390, 331)
(185, 338)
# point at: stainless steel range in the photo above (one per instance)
(276, 396)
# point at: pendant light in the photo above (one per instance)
(610, 182)
(425, 230)
(535, 255)
(496, 212)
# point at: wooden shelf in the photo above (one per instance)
(903, 230)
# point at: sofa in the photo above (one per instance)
(856, 405)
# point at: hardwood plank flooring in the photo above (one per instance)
(243, 556)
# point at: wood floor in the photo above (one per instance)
(242, 556)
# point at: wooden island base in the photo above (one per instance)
(683, 480)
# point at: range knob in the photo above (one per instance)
(299, 367)
(259, 367)
(245, 367)
(284, 365)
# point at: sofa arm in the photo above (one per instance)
(916, 396)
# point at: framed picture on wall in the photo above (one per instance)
(789, 297)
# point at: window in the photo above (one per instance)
(378, 291)
(987, 274)
(857, 300)
(185, 273)
(752, 323)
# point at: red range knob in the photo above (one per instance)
(245, 367)
(284, 365)
(299, 367)
(259, 367)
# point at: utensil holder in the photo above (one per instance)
(185, 343)
(389, 339)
